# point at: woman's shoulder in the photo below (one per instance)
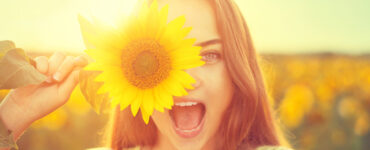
(106, 148)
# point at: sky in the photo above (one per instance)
(276, 26)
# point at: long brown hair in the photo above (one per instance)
(248, 122)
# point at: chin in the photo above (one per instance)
(194, 145)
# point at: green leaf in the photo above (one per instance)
(16, 69)
(89, 88)
(5, 46)
(99, 102)
(6, 139)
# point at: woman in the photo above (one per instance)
(227, 109)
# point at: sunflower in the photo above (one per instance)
(142, 59)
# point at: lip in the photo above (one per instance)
(182, 99)
(191, 132)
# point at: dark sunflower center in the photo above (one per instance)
(145, 63)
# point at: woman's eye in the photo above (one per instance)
(211, 57)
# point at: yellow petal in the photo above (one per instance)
(174, 40)
(176, 85)
(187, 63)
(157, 98)
(171, 86)
(148, 101)
(93, 67)
(112, 75)
(145, 116)
(129, 29)
(135, 105)
(163, 14)
(129, 96)
(186, 57)
(152, 22)
(184, 78)
(163, 98)
(173, 27)
(158, 107)
(103, 89)
(110, 57)
(143, 17)
(168, 99)
(97, 35)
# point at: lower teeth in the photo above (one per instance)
(191, 130)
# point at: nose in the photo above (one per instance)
(194, 72)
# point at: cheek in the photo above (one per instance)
(162, 121)
(219, 89)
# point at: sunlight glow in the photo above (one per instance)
(49, 26)
(275, 26)
(109, 11)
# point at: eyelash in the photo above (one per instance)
(211, 56)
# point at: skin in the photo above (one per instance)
(24, 105)
(213, 87)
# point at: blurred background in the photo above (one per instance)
(315, 56)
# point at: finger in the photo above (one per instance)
(54, 62)
(81, 61)
(42, 64)
(68, 65)
(88, 58)
(67, 86)
(64, 69)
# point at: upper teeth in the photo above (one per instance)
(186, 103)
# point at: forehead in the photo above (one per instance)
(199, 15)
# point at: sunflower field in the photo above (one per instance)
(322, 102)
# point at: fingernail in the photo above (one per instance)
(77, 59)
(80, 60)
(49, 80)
(56, 76)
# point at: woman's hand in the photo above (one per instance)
(27, 104)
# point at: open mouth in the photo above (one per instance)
(188, 118)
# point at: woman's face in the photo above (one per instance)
(193, 123)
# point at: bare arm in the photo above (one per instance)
(24, 105)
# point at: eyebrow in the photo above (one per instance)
(209, 42)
